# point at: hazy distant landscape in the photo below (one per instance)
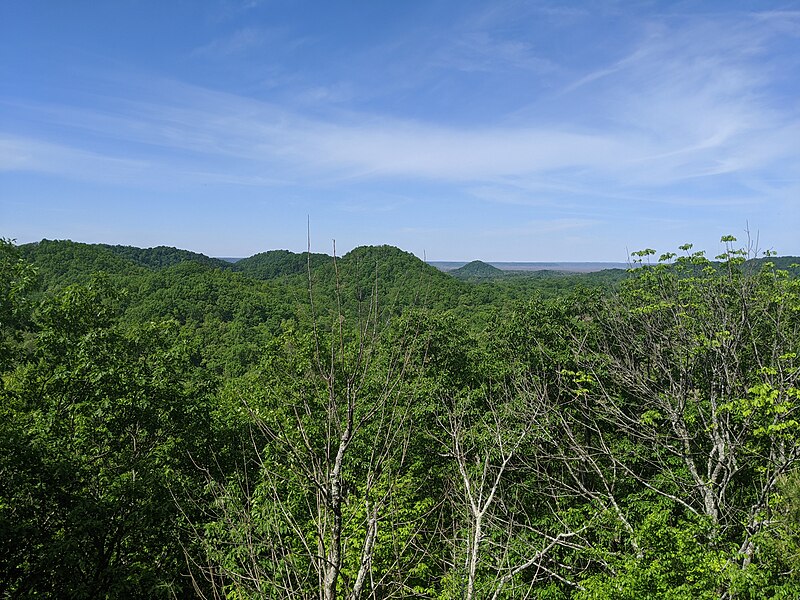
(572, 267)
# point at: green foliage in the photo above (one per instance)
(676, 563)
(277, 263)
(96, 429)
(168, 420)
(165, 256)
(62, 262)
(17, 279)
(477, 270)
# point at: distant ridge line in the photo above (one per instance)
(574, 267)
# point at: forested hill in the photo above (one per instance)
(400, 273)
(64, 261)
(164, 256)
(790, 264)
(194, 288)
(62, 257)
(174, 427)
(231, 309)
(476, 270)
(275, 263)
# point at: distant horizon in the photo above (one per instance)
(585, 266)
(442, 264)
(302, 250)
(339, 252)
(450, 265)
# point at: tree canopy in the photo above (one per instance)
(295, 426)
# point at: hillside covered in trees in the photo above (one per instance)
(366, 426)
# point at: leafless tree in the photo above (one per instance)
(500, 542)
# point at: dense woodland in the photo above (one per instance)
(304, 426)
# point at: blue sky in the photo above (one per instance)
(502, 130)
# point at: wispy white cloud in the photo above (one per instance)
(540, 227)
(690, 101)
(480, 51)
(409, 149)
(249, 40)
(374, 203)
(336, 93)
(784, 21)
(241, 40)
(511, 195)
(29, 155)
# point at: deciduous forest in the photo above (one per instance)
(366, 426)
